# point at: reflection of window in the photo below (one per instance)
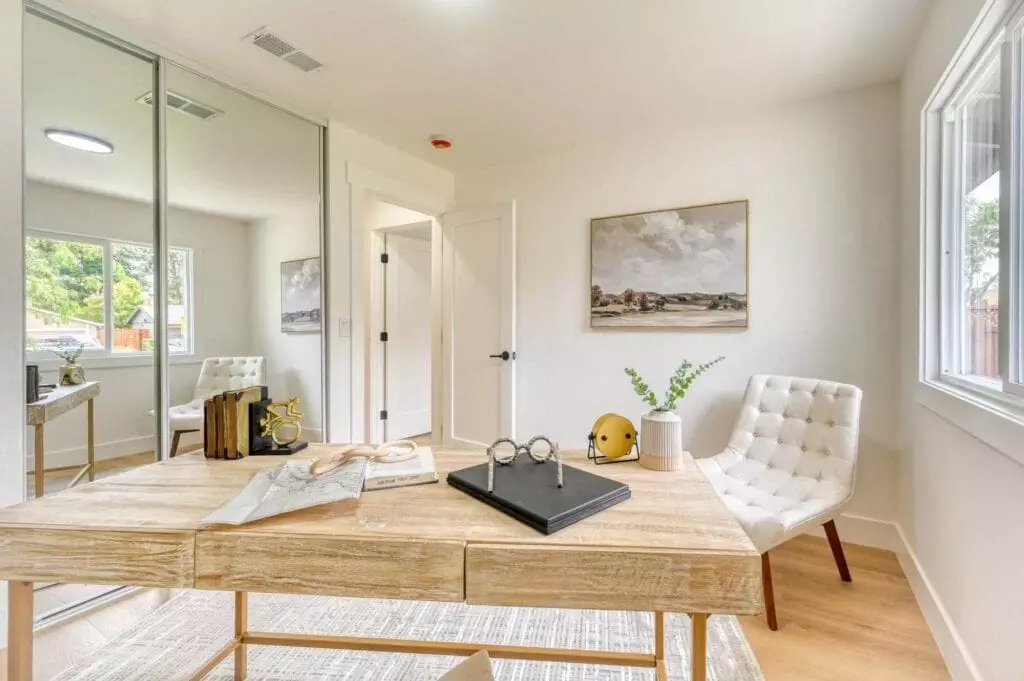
(978, 307)
(99, 293)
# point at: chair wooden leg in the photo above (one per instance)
(769, 594)
(837, 550)
(174, 443)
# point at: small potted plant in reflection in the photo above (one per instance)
(71, 373)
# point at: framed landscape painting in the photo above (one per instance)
(300, 296)
(683, 267)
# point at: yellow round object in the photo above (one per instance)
(614, 435)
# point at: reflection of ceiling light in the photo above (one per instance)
(79, 140)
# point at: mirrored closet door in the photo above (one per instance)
(89, 267)
(244, 269)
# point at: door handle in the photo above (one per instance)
(504, 356)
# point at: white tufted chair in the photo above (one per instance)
(217, 375)
(791, 464)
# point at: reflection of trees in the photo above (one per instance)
(66, 278)
(982, 247)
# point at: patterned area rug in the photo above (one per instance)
(178, 637)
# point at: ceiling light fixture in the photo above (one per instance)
(79, 140)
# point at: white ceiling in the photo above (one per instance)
(253, 162)
(511, 79)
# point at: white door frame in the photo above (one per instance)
(369, 183)
(377, 374)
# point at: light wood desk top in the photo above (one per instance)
(61, 399)
(672, 547)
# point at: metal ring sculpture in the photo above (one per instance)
(506, 459)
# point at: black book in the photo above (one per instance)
(529, 492)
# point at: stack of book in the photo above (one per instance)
(228, 422)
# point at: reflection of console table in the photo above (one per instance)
(63, 399)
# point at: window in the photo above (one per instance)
(99, 294)
(981, 191)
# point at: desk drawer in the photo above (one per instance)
(613, 578)
(330, 566)
(135, 558)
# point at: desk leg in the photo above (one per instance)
(39, 477)
(19, 631)
(241, 625)
(660, 671)
(90, 441)
(699, 652)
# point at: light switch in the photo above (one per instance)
(344, 328)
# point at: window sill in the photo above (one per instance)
(112, 361)
(996, 423)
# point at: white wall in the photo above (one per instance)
(12, 373)
(293, 359)
(359, 164)
(821, 177)
(961, 501)
(220, 260)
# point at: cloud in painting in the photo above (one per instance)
(690, 250)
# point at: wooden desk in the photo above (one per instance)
(672, 547)
(62, 399)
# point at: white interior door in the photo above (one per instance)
(407, 312)
(478, 336)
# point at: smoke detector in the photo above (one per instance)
(268, 41)
(184, 104)
(440, 142)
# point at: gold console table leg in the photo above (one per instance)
(39, 477)
(90, 439)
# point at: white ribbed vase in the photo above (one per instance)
(661, 441)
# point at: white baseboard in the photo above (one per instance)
(954, 652)
(76, 456)
(855, 529)
(883, 534)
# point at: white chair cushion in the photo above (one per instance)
(791, 460)
(216, 375)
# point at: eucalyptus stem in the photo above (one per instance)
(679, 384)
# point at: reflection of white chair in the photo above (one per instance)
(217, 375)
(790, 464)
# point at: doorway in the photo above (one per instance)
(472, 321)
(406, 332)
(403, 330)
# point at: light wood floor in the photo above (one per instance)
(870, 629)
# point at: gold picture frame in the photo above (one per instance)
(685, 268)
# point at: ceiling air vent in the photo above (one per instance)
(181, 103)
(282, 49)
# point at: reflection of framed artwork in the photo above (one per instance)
(300, 296)
(680, 268)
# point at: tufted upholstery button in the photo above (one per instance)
(832, 424)
(803, 448)
(808, 419)
(779, 441)
(827, 451)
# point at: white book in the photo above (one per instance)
(419, 470)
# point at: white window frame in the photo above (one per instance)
(1005, 47)
(107, 353)
(1011, 259)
